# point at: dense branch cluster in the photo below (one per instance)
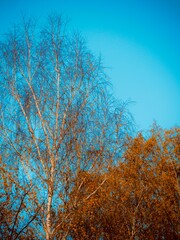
(69, 168)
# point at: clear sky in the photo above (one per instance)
(139, 41)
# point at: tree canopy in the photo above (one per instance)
(70, 166)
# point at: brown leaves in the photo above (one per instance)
(139, 198)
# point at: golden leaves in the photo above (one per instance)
(139, 198)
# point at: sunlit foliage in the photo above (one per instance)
(70, 165)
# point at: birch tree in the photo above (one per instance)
(57, 119)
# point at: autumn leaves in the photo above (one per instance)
(138, 199)
(70, 168)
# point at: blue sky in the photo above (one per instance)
(139, 42)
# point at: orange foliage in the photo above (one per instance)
(138, 199)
